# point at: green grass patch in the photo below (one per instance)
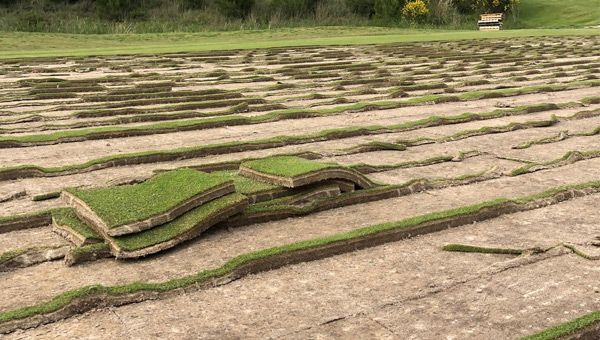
(47, 196)
(178, 226)
(588, 134)
(90, 248)
(27, 215)
(67, 217)
(543, 13)
(287, 166)
(474, 249)
(528, 166)
(484, 130)
(124, 204)
(438, 159)
(11, 254)
(24, 44)
(540, 141)
(244, 185)
(377, 145)
(61, 300)
(566, 328)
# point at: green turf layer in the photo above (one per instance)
(67, 217)
(244, 185)
(526, 168)
(473, 249)
(125, 204)
(47, 196)
(90, 248)
(287, 166)
(178, 226)
(11, 254)
(566, 328)
(64, 298)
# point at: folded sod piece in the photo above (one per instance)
(127, 209)
(183, 228)
(256, 191)
(293, 172)
(66, 223)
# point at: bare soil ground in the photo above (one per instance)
(409, 289)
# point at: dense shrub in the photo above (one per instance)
(388, 10)
(485, 6)
(362, 7)
(235, 8)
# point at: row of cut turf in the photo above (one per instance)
(114, 132)
(571, 155)
(482, 131)
(63, 299)
(192, 152)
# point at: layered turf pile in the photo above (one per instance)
(175, 206)
(128, 209)
(142, 219)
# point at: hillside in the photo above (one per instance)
(556, 14)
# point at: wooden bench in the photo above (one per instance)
(490, 22)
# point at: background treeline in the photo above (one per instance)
(154, 16)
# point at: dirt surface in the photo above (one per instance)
(408, 289)
(390, 291)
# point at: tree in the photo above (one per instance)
(485, 6)
(388, 10)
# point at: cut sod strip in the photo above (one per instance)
(183, 228)
(66, 223)
(294, 172)
(25, 257)
(585, 327)
(90, 252)
(256, 191)
(128, 209)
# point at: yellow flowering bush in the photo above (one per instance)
(415, 11)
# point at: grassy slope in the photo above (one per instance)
(544, 13)
(22, 44)
(130, 203)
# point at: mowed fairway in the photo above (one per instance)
(444, 126)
